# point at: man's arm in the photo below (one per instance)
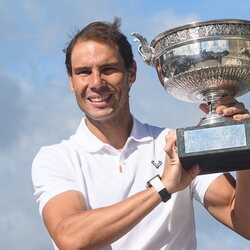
(73, 227)
(241, 213)
(227, 200)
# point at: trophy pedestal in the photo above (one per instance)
(217, 148)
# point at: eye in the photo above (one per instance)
(83, 71)
(109, 70)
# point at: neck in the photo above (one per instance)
(113, 132)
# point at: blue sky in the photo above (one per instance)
(37, 107)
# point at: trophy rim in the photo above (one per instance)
(196, 24)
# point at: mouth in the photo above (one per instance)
(99, 99)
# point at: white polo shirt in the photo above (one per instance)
(106, 176)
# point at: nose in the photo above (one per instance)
(96, 79)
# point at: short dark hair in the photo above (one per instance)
(105, 32)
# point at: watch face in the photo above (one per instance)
(151, 181)
(159, 187)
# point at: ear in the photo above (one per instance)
(132, 73)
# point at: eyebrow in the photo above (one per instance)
(78, 69)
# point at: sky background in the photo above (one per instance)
(37, 107)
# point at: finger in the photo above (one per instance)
(241, 117)
(170, 147)
(204, 107)
(171, 136)
(231, 109)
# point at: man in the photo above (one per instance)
(92, 188)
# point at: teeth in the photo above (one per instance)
(99, 99)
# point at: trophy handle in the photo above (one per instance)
(144, 49)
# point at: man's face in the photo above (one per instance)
(100, 80)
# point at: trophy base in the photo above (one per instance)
(222, 147)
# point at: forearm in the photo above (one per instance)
(241, 211)
(96, 228)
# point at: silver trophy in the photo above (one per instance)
(202, 62)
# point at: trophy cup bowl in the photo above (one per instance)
(202, 62)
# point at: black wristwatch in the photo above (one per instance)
(158, 185)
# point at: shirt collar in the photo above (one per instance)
(90, 143)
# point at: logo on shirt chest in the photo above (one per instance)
(156, 164)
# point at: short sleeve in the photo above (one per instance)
(52, 174)
(201, 184)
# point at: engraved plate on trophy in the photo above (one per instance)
(202, 62)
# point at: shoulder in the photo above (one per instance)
(157, 133)
(54, 159)
(147, 129)
(53, 152)
(54, 171)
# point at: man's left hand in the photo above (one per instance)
(230, 107)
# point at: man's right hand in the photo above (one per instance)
(175, 177)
